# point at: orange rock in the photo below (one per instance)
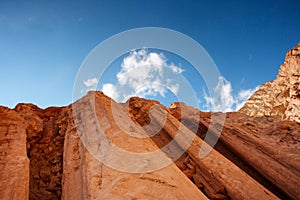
(280, 97)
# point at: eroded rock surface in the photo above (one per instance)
(266, 148)
(14, 164)
(254, 156)
(280, 97)
(61, 167)
(215, 175)
(86, 178)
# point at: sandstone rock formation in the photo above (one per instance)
(86, 178)
(217, 176)
(280, 97)
(96, 148)
(14, 164)
(266, 148)
(62, 168)
(252, 159)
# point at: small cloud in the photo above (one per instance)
(243, 96)
(176, 70)
(174, 88)
(224, 100)
(32, 19)
(110, 91)
(92, 82)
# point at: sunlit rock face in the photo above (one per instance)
(280, 97)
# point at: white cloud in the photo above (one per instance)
(224, 100)
(92, 82)
(110, 91)
(142, 74)
(175, 69)
(174, 88)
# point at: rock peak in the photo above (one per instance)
(280, 97)
(291, 64)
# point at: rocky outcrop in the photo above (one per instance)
(280, 97)
(14, 164)
(64, 157)
(252, 159)
(215, 175)
(61, 166)
(31, 150)
(87, 178)
(266, 148)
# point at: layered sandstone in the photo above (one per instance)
(61, 167)
(252, 160)
(214, 174)
(87, 178)
(266, 148)
(280, 97)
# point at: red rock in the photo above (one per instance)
(264, 147)
(14, 164)
(217, 176)
(85, 177)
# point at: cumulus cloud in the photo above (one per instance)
(92, 82)
(224, 100)
(110, 91)
(142, 74)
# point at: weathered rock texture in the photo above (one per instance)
(45, 140)
(62, 168)
(214, 174)
(280, 97)
(266, 148)
(255, 158)
(14, 164)
(87, 178)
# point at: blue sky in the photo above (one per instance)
(42, 44)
